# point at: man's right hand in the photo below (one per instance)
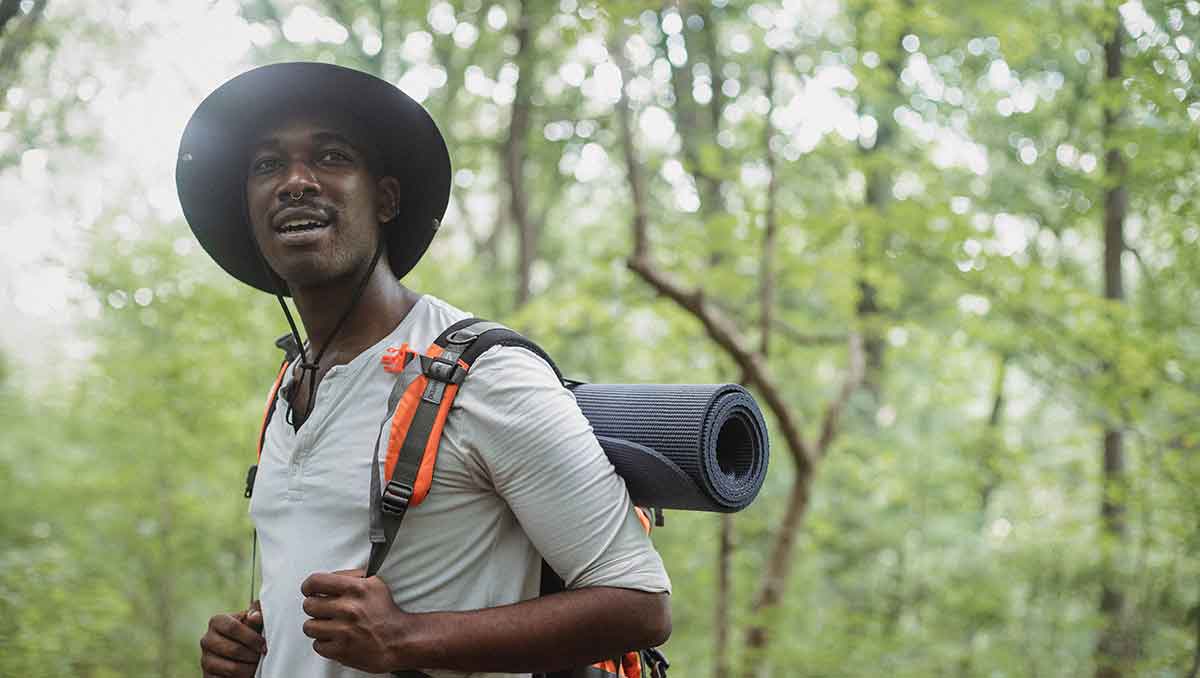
(233, 644)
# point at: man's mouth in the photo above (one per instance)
(298, 225)
(295, 222)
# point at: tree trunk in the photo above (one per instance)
(164, 594)
(17, 33)
(774, 579)
(872, 241)
(721, 665)
(1114, 649)
(8, 10)
(993, 437)
(515, 151)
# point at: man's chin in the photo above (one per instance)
(306, 274)
(303, 273)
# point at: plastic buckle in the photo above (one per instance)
(440, 369)
(395, 359)
(656, 661)
(396, 496)
(290, 347)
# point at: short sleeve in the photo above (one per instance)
(545, 462)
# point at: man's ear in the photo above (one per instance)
(389, 199)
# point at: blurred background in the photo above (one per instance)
(950, 246)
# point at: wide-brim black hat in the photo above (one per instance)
(210, 172)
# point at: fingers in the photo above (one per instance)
(230, 648)
(227, 632)
(254, 616)
(224, 648)
(328, 648)
(331, 584)
(322, 629)
(226, 668)
(319, 608)
(254, 619)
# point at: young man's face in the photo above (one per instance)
(315, 205)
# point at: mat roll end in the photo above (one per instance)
(695, 447)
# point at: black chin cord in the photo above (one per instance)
(307, 367)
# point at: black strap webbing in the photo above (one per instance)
(465, 340)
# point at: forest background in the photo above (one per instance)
(950, 246)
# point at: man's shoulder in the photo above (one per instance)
(425, 321)
(496, 359)
(507, 381)
(438, 312)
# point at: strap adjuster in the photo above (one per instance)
(396, 496)
(445, 371)
(464, 336)
(251, 473)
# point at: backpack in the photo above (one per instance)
(409, 435)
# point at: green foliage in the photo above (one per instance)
(953, 526)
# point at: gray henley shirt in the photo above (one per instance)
(519, 476)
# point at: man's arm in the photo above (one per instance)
(538, 452)
(356, 623)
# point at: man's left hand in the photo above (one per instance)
(354, 621)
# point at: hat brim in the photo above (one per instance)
(210, 171)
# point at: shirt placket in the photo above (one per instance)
(306, 439)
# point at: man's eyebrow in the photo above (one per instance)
(319, 137)
(265, 143)
(338, 137)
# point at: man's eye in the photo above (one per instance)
(265, 165)
(334, 156)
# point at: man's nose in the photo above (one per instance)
(298, 181)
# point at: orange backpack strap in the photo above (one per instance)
(268, 412)
(287, 344)
(417, 409)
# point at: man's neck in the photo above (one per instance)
(383, 304)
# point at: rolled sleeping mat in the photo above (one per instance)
(696, 447)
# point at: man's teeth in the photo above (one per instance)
(300, 225)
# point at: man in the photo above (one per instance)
(328, 185)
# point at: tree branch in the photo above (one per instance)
(725, 334)
(855, 373)
(795, 336)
